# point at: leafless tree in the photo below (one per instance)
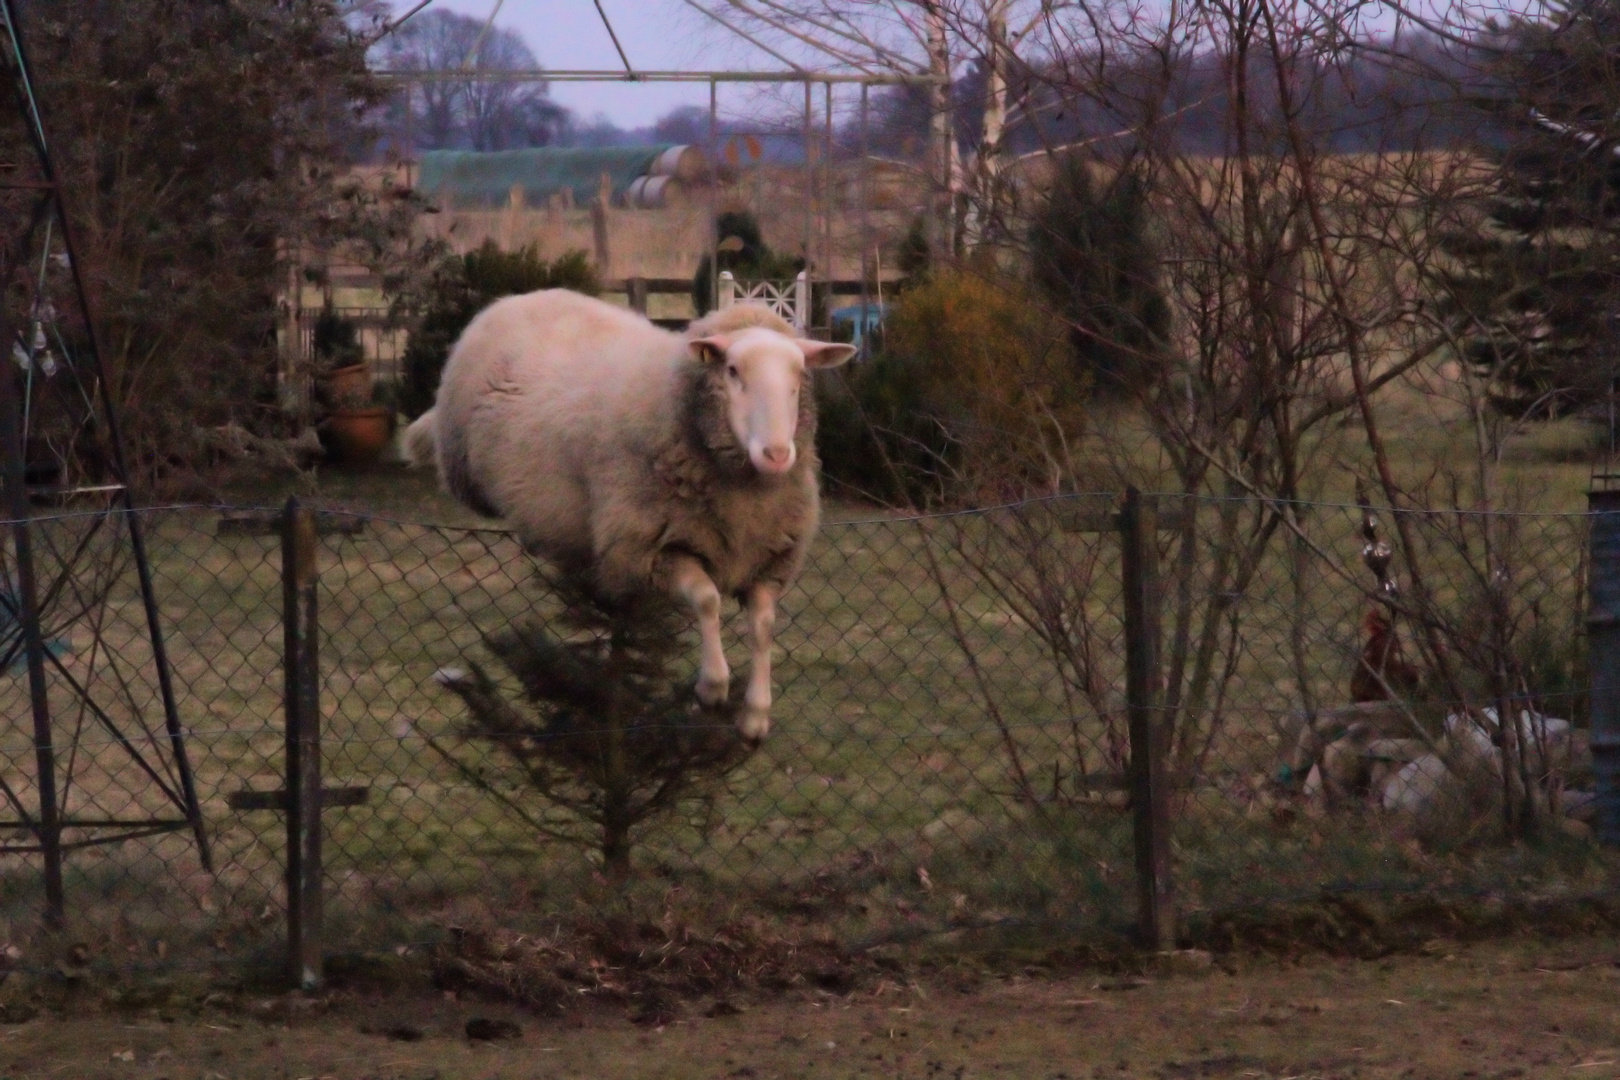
(1304, 173)
(469, 113)
(936, 38)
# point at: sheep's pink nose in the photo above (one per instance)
(776, 456)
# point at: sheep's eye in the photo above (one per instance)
(731, 370)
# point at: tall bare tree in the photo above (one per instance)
(941, 39)
(471, 113)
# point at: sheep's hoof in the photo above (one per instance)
(754, 724)
(712, 691)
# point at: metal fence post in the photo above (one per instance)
(635, 290)
(1139, 542)
(24, 609)
(1603, 642)
(302, 703)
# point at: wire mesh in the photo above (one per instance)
(950, 746)
(148, 899)
(1338, 733)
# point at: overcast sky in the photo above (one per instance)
(668, 35)
(657, 35)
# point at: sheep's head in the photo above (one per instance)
(762, 373)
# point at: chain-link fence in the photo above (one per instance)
(951, 748)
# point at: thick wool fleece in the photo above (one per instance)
(604, 442)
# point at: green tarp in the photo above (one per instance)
(486, 178)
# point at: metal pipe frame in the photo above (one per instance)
(31, 113)
(898, 78)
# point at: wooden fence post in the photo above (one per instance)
(635, 290)
(302, 703)
(1138, 527)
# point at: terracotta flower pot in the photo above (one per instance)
(347, 387)
(358, 436)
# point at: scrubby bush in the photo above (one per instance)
(874, 437)
(973, 395)
(916, 255)
(1093, 257)
(461, 287)
(336, 341)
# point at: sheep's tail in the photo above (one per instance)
(421, 443)
(427, 447)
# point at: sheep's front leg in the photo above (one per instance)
(755, 721)
(690, 583)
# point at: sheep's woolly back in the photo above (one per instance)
(740, 317)
(606, 443)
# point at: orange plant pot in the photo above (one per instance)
(358, 436)
(347, 387)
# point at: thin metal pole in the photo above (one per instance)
(301, 704)
(939, 63)
(409, 156)
(714, 194)
(519, 75)
(49, 829)
(115, 439)
(867, 243)
(827, 187)
(809, 191)
(13, 449)
(628, 70)
(1138, 521)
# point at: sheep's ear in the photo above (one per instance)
(711, 349)
(824, 354)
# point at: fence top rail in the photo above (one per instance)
(1212, 500)
(896, 516)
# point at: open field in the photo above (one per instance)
(1524, 1007)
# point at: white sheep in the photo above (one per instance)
(684, 463)
(1417, 776)
(1546, 739)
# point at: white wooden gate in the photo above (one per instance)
(789, 299)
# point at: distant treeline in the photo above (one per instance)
(1411, 93)
(1415, 93)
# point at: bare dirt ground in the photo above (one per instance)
(1519, 1008)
